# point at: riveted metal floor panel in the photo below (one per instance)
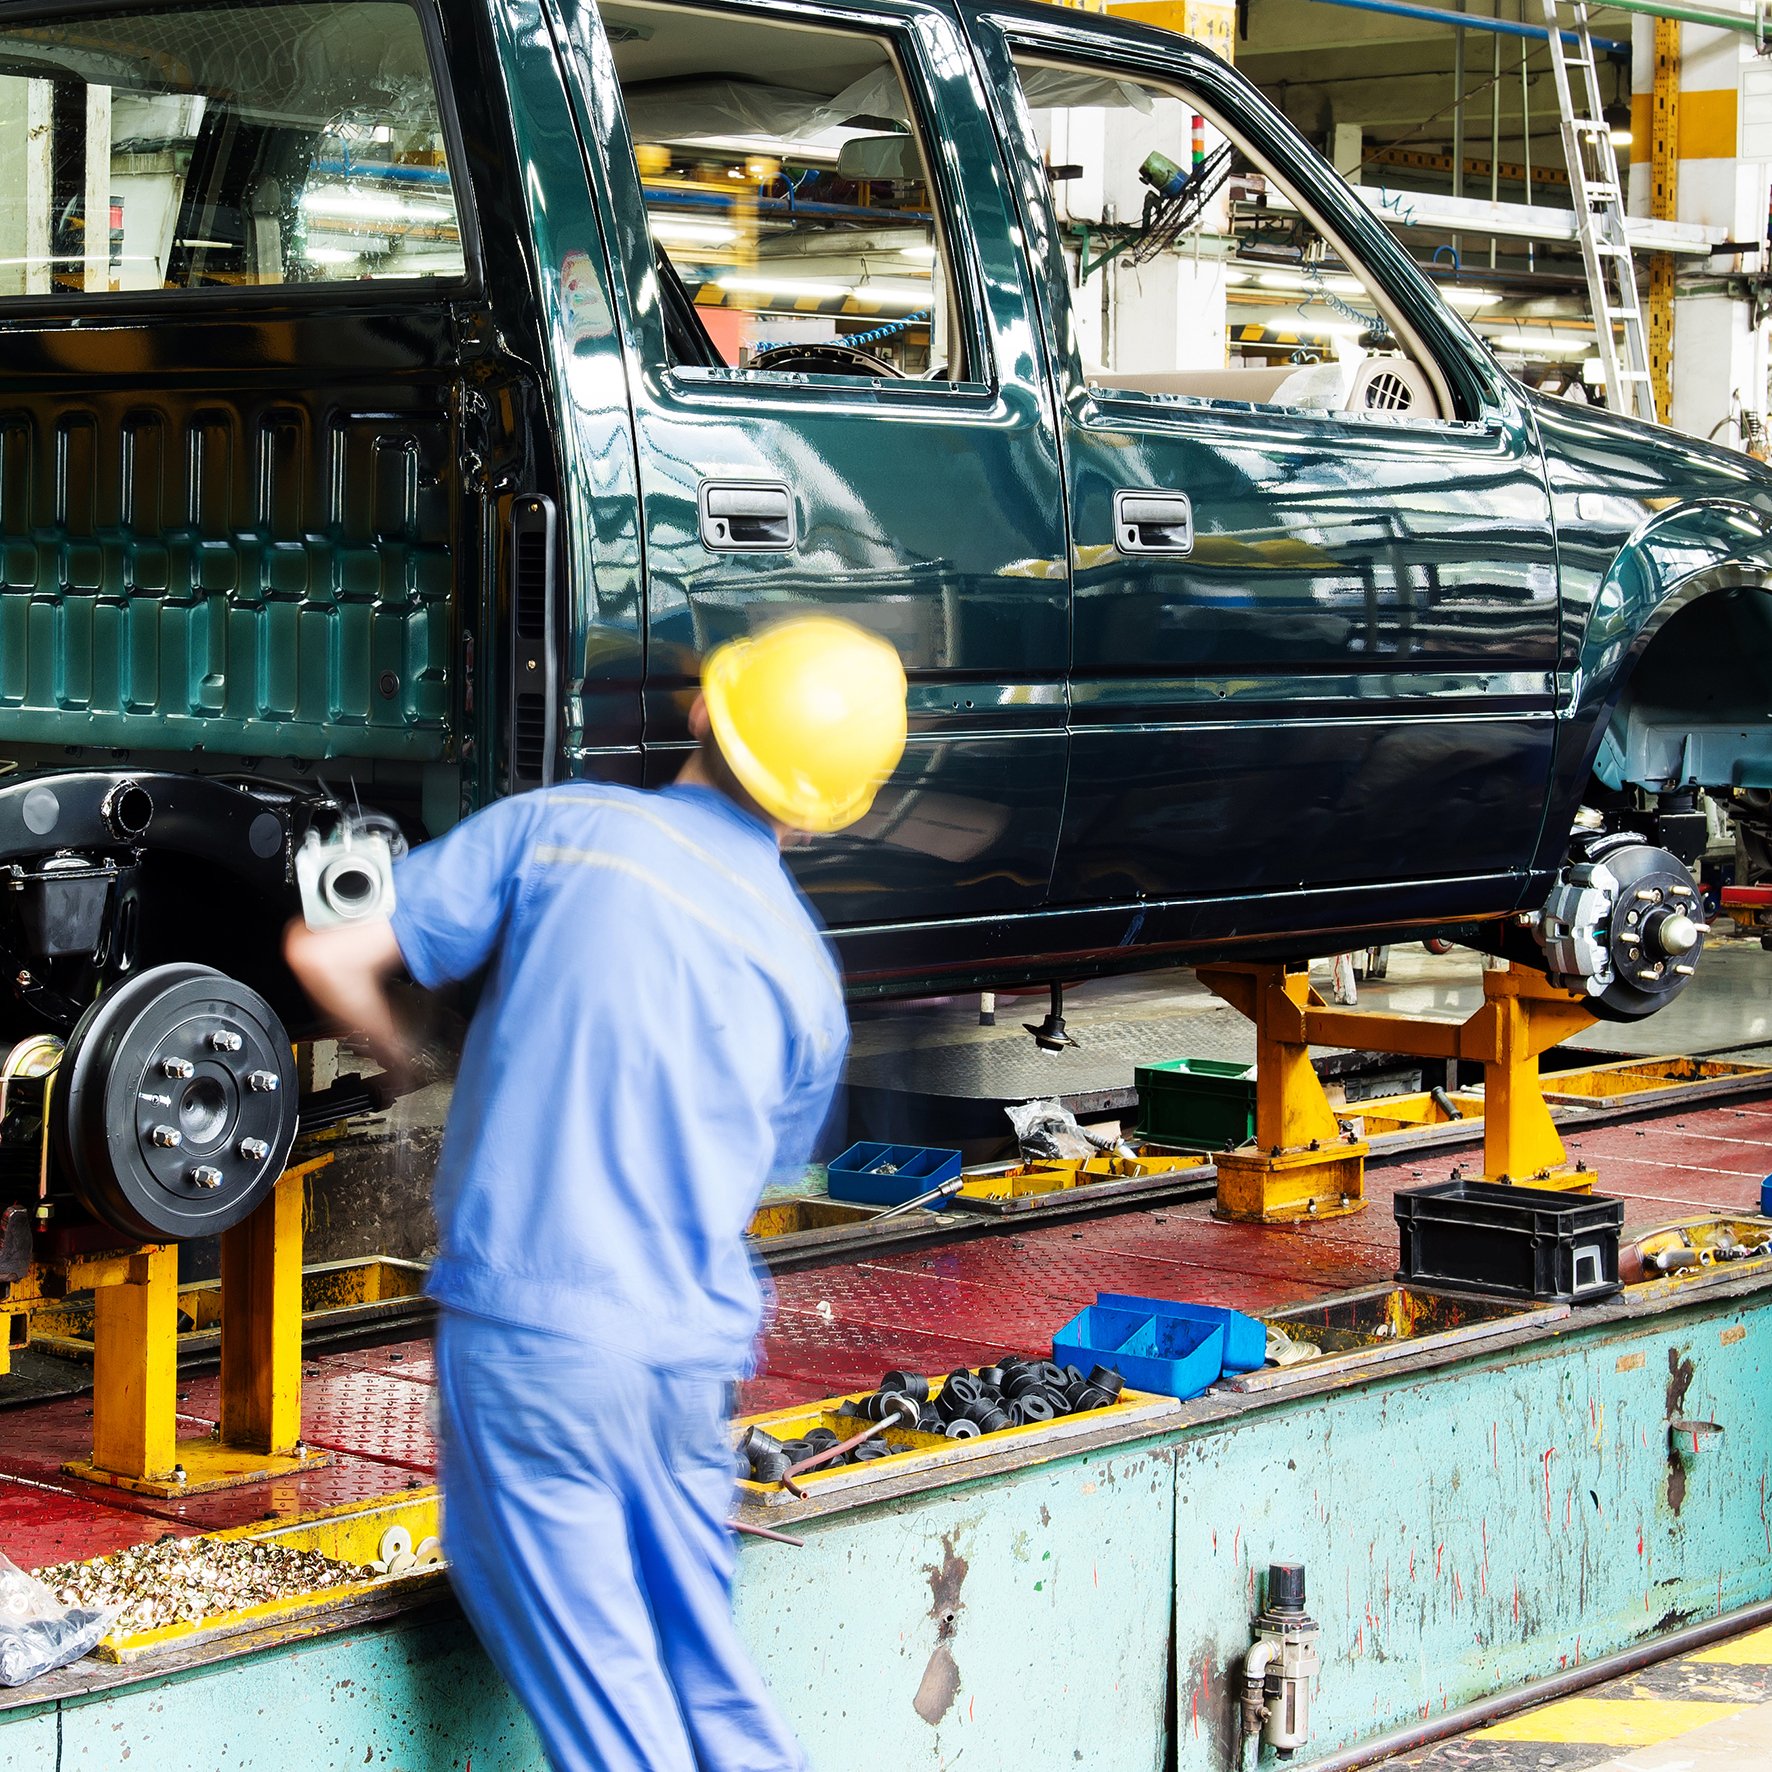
(42, 1524)
(346, 1409)
(410, 1360)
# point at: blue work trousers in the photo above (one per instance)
(585, 1499)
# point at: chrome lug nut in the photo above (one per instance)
(206, 1175)
(254, 1150)
(263, 1082)
(225, 1040)
(177, 1067)
(169, 1138)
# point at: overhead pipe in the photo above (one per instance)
(1507, 27)
(1691, 15)
(1438, 15)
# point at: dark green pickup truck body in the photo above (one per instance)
(421, 543)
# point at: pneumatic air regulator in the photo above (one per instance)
(1281, 1665)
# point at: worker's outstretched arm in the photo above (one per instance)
(346, 971)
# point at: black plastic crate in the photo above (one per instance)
(1518, 1242)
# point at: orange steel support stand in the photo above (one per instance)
(135, 1443)
(1305, 1165)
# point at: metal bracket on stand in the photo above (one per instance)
(1304, 1165)
(135, 1440)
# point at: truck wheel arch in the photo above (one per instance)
(1675, 664)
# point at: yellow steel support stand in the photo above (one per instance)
(134, 1333)
(1304, 1165)
(135, 1444)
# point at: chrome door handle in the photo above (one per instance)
(746, 516)
(1153, 522)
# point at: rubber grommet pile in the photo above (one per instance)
(1013, 1392)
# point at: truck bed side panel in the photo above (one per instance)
(206, 544)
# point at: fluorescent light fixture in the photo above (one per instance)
(358, 204)
(924, 255)
(331, 255)
(1302, 282)
(687, 231)
(1471, 299)
(882, 293)
(885, 289)
(1541, 341)
(1233, 276)
(791, 286)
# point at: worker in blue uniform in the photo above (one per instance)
(660, 1030)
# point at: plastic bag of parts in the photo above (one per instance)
(37, 1632)
(1046, 1130)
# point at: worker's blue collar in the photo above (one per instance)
(724, 803)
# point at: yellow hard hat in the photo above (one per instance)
(810, 716)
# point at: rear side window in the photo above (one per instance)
(794, 219)
(222, 147)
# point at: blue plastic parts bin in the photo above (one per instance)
(1172, 1356)
(856, 1175)
(1766, 1197)
(1245, 1340)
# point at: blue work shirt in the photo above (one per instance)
(661, 1031)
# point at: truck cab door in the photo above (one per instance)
(1316, 589)
(840, 404)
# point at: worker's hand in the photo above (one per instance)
(346, 970)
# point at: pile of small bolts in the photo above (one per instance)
(1014, 1392)
(186, 1580)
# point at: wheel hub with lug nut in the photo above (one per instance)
(167, 1124)
(1623, 927)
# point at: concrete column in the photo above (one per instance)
(96, 205)
(25, 143)
(1347, 146)
(1725, 157)
(1168, 315)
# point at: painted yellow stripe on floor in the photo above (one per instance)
(1610, 1722)
(1753, 1650)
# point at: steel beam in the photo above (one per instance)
(1477, 21)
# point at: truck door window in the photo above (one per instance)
(787, 189)
(1194, 272)
(227, 147)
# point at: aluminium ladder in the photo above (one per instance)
(1599, 213)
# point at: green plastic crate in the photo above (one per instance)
(1204, 1104)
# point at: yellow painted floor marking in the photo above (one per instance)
(1732, 1744)
(1609, 1722)
(1753, 1650)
